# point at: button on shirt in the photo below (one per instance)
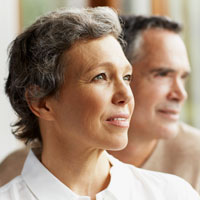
(127, 183)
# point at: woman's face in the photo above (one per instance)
(95, 103)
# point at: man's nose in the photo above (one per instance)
(178, 92)
(123, 93)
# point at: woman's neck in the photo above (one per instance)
(84, 171)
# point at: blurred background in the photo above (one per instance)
(16, 15)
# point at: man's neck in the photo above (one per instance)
(137, 152)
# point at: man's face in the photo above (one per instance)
(159, 85)
(95, 104)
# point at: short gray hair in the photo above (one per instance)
(134, 26)
(35, 63)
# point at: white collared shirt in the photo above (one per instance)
(127, 183)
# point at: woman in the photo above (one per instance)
(69, 83)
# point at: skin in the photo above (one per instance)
(84, 120)
(159, 90)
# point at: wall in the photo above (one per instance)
(9, 28)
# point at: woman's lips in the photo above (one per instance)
(121, 120)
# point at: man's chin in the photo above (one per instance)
(169, 131)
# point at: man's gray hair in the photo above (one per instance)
(134, 26)
(35, 58)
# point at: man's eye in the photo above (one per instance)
(162, 74)
(185, 76)
(101, 76)
(128, 78)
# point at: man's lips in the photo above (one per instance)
(171, 114)
(119, 120)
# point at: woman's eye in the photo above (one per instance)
(101, 76)
(128, 78)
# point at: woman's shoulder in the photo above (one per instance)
(162, 185)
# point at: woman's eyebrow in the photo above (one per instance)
(105, 64)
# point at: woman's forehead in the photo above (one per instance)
(86, 55)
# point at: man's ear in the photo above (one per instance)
(39, 107)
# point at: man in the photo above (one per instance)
(157, 139)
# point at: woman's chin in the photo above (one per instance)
(119, 144)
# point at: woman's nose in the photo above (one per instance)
(123, 94)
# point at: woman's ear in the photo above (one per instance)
(40, 107)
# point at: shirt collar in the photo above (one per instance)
(45, 186)
(122, 182)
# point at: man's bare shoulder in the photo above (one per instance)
(188, 138)
(12, 165)
(189, 130)
(179, 155)
(186, 143)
